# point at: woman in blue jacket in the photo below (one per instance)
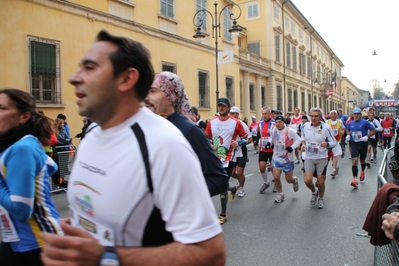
(26, 208)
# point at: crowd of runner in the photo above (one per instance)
(281, 142)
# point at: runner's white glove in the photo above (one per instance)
(365, 138)
(348, 138)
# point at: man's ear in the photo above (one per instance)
(24, 117)
(128, 79)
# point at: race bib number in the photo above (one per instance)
(357, 135)
(387, 131)
(312, 148)
(335, 131)
(264, 142)
(7, 228)
(224, 162)
(279, 146)
(102, 233)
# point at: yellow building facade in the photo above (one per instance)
(352, 95)
(277, 55)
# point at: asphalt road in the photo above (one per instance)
(294, 233)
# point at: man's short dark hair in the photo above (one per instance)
(130, 54)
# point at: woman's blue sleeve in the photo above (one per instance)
(17, 189)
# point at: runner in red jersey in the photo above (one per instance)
(265, 145)
(223, 130)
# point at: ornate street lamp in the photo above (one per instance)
(199, 35)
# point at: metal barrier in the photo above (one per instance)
(386, 255)
(66, 155)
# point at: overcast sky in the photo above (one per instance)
(353, 29)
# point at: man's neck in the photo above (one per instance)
(120, 114)
(224, 117)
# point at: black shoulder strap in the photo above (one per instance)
(90, 128)
(144, 152)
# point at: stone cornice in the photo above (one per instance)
(278, 30)
(290, 38)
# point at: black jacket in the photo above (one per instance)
(216, 177)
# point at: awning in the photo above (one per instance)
(384, 103)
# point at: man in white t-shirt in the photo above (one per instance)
(317, 137)
(284, 140)
(129, 185)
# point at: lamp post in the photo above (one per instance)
(321, 78)
(199, 35)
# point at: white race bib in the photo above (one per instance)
(387, 131)
(312, 148)
(335, 131)
(103, 234)
(279, 146)
(7, 228)
(264, 141)
(357, 135)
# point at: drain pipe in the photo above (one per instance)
(284, 75)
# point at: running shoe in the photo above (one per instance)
(362, 176)
(368, 166)
(241, 192)
(320, 203)
(295, 185)
(222, 218)
(233, 191)
(334, 173)
(354, 183)
(264, 187)
(274, 189)
(269, 169)
(314, 197)
(279, 198)
(296, 161)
